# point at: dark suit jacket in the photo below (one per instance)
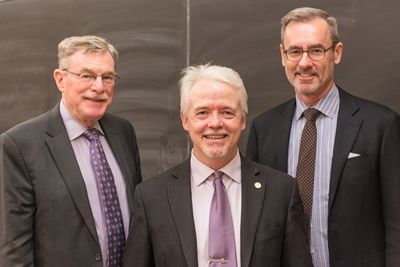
(272, 228)
(45, 216)
(364, 193)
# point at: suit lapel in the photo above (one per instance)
(348, 126)
(60, 147)
(180, 199)
(252, 203)
(120, 153)
(281, 141)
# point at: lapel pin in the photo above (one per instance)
(257, 185)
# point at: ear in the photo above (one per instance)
(185, 122)
(244, 121)
(59, 79)
(338, 52)
(282, 54)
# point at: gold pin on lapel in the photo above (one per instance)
(257, 185)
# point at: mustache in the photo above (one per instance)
(306, 71)
(96, 97)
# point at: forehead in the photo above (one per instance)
(207, 92)
(91, 59)
(312, 32)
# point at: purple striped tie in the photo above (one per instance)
(221, 242)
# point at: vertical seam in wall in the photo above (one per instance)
(187, 32)
(188, 142)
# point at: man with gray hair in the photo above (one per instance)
(67, 177)
(343, 150)
(217, 208)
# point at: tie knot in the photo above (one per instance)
(91, 134)
(217, 176)
(311, 114)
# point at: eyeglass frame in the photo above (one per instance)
(307, 51)
(93, 77)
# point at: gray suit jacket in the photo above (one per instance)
(45, 216)
(272, 226)
(364, 193)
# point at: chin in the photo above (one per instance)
(215, 153)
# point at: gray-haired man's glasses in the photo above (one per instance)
(88, 77)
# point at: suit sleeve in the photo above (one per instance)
(135, 149)
(296, 252)
(138, 251)
(17, 207)
(390, 189)
(252, 144)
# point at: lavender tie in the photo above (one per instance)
(221, 241)
(108, 199)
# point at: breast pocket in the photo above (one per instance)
(358, 167)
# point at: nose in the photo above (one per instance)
(305, 60)
(97, 84)
(215, 121)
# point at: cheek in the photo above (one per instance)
(110, 92)
(235, 127)
(194, 126)
(290, 68)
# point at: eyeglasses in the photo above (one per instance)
(315, 53)
(87, 77)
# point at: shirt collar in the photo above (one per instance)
(200, 172)
(74, 128)
(327, 105)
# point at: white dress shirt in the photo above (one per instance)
(202, 193)
(80, 146)
(326, 130)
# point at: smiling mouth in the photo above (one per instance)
(95, 99)
(305, 74)
(215, 136)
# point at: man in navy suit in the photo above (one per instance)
(170, 226)
(51, 211)
(355, 218)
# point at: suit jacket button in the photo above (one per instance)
(97, 257)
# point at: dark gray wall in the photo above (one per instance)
(156, 38)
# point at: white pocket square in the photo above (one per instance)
(353, 155)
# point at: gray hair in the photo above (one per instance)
(89, 43)
(193, 74)
(305, 14)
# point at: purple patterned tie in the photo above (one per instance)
(108, 199)
(221, 241)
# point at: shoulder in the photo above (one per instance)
(29, 129)
(176, 173)
(119, 126)
(364, 103)
(115, 121)
(369, 111)
(284, 109)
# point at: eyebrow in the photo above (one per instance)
(93, 72)
(308, 47)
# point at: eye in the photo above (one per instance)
(316, 51)
(294, 52)
(201, 114)
(108, 77)
(228, 114)
(87, 76)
